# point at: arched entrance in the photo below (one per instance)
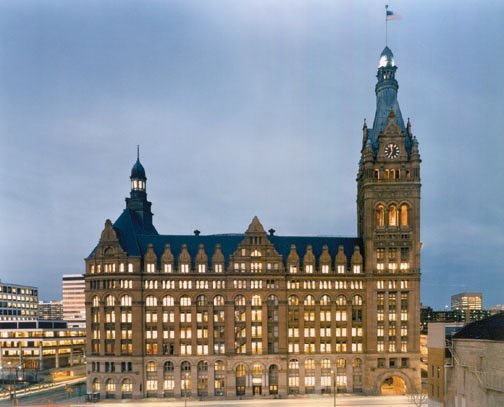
(257, 382)
(393, 385)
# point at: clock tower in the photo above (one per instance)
(388, 216)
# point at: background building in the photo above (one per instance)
(428, 315)
(439, 348)
(467, 301)
(18, 302)
(50, 310)
(74, 308)
(477, 377)
(258, 314)
(31, 350)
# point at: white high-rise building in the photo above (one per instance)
(74, 308)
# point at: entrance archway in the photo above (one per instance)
(393, 385)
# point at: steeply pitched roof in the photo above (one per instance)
(491, 328)
(230, 242)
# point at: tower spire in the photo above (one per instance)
(138, 152)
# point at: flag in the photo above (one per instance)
(391, 15)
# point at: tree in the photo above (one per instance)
(417, 398)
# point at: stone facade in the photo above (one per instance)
(257, 314)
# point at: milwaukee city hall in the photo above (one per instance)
(261, 315)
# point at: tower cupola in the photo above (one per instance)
(138, 178)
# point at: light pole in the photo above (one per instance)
(333, 373)
(186, 375)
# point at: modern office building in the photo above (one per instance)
(18, 302)
(230, 315)
(428, 315)
(467, 301)
(50, 310)
(74, 307)
(30, 349)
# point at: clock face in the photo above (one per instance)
(392, 151)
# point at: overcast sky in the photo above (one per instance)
(245, 108)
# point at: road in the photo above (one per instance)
(57, 395)
(319, 401)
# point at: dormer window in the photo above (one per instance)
(184, 268)
(151, 268)
(293, 269)
(130, 268)
(201, 268)
(357, 269)
(217, 268)
(309, 269)
(255, 253)
(325, 269)
(341, 269)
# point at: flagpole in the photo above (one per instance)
(386, 25)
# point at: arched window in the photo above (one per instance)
(185, 378)
(293, 300)
(392, 218)
(168, 301)
(357, 362)
(109, 301)
(203, 366)
(185, 301)
(150, 301)
(218, 301)
(126, 301)
(219, 366)
(309, 300)
(240, 300)
(126, 386)
(273, 379)
(96, 301)
(380, 216)
(256, 301)
(96, 385)
(325, 300)
(309, 364)
(404, 215)
(241, 373)
(201, 301)
(341, 363)
(110, 386)
(272, 300)
(325, 364)
(341, 300)
(151, 367)
(168, 367)
(357, 300)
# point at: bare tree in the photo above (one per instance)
(417, 398)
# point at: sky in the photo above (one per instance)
(245, 108)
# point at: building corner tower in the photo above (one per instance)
(388, 216)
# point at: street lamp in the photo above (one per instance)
(335, 389)
(186, 375)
